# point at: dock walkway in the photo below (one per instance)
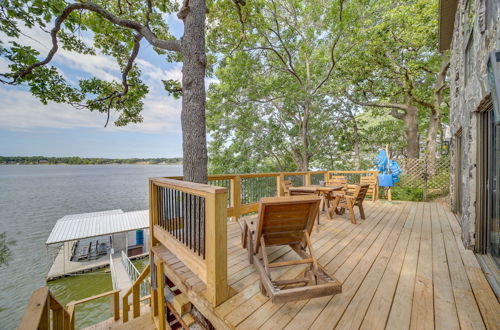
(123, 281)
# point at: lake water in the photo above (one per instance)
(33, 198)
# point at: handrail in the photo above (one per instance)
(136, 295)
(116, 304)
(133, 273)
(190, 220)
(235, 185)
(112, 270)
(44, 311)
(100, 295)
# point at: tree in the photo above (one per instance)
(272, 92)
(400, 68)
(118, 29)
(5, 252)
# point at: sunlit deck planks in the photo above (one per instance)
(402, 267)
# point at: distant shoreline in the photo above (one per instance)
(64, 164)
(41, 160)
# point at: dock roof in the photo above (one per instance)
(79, 226)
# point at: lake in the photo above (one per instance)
(34, 197)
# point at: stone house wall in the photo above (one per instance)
(468, 94)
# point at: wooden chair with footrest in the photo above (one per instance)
(348, 201)
(287, 221)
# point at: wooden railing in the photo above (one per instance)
(189, 219)
(135, 291)
(116, 304)
(133, 273)
(244, 191)
(45, 312)
(112, 271)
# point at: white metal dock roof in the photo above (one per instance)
(90, 215)
(79, 226)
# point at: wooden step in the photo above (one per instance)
(143, 322)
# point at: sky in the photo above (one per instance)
(29, 128)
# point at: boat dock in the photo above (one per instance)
(86, 241)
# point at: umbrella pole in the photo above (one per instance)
(389, 193)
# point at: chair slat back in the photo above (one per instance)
(286, 184)
(338, 180)
(283, 220)
(360, 192)
(369, 180)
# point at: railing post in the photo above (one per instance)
(236, 196)
(161, 298)
(279, 186)
(153, 213)
(136, 301)
(216, 247)
(71, 314)
(125, 308)
(45, 319)
(116, 305)
(308, 178)
(326, 176)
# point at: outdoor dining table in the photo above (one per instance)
(325, 192)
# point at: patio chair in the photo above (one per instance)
(287, 221)
(372, 182)
(347, 201)
(338, 180)
(307, 193)
(285, 184)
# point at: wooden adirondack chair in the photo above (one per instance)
(372, 182)
(338, 180)
(286, 184)
(287, 221)
(348, 201)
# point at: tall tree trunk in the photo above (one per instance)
(411, 129)
(194, 142)
(304, 163)
(435, 115)
(434, 123)
(357, 147)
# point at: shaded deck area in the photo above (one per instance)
(404, 266)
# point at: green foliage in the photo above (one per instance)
(48, 84)
(5, 252)
(401, 193)
(399, 59)
(264, 113)
(173, 88)
(272, 107)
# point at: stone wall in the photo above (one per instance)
(467, 96)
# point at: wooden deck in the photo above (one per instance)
(403, 267)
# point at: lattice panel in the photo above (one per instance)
(432, 178)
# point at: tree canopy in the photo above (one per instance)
(324, 84)
(298, 84)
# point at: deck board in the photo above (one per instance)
(402, 267)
